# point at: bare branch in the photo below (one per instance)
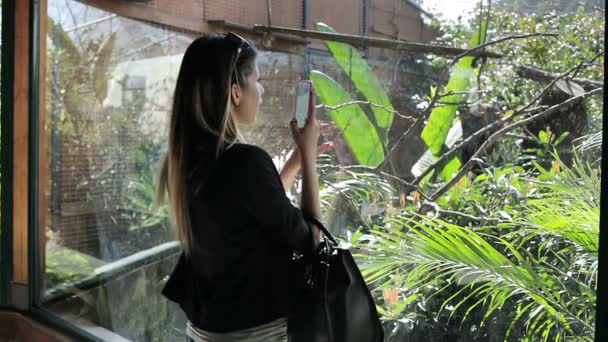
(468, 218)
(599, 54)
(450, 93)
(541, 75)
(552, 83)
(442, 79)
(355, 168)
(409, 185)
(351, 103)
(492, 139)
(483, 46)
(375, 170)
(470, 138)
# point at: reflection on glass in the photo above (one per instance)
(108, 247)
(504, 250)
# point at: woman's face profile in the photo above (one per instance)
(248, 98)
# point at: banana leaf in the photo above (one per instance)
(441, 118)
(358, 131)
(357, 69)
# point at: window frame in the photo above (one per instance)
(37, 10)
(6, 143)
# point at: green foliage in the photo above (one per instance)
(580, 38)
(537, 267)
(358, 131)
(352, 200)
(84, 73)
(568, 206)
(134, 307)
(64, 265)
(366, 138)
(442, 121)
(442, 117)
(141, 208)
(359, 72)
(511, 249)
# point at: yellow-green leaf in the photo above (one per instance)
(358, 131)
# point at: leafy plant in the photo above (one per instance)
(366, 138)
(64, 265)
(542, 263)
(511, 249)
(359, 72)
(134, 307)
(442, 117)
(358, 131)
(141, 207)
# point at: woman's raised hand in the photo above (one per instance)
(307, 137)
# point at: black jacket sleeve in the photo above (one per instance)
(259, 190)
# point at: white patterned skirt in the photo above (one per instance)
(275, 331)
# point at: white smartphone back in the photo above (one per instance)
(302, 101)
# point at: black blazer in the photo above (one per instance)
(245, 230)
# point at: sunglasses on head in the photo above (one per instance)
(240, 43)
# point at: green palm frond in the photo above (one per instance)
(589, 142)
(568, 207)
(360, 188)
(429, 249)
(575, 222)
(579, 182)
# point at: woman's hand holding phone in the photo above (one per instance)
(307, 137)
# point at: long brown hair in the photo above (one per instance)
(201, 112)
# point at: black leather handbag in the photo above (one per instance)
(334, 303)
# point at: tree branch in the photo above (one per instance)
(468, 218)
(350, 103)
(442, 79)
(492, 139)
(497, 124)
(375, 170)
(541, 75)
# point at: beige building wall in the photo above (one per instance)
(395, 19)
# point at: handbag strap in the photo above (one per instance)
(326, 304)
(318, 223)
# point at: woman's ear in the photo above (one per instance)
(235, 94)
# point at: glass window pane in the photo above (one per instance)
(466, 232)
(108, 247)
(2, 266)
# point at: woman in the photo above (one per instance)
(227, 200)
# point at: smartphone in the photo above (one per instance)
(303, 90)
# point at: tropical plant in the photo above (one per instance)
(539, 270)
(85, 84)
(141, 208)
(64, 265)
(366, 135)
(352, 199)
(442, 118)
(508, 250)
